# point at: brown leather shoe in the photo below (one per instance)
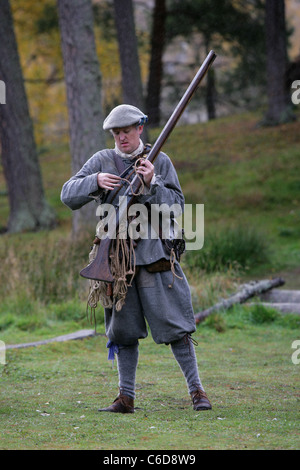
(122, 404)
(200, 400)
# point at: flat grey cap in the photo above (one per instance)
(123, 116)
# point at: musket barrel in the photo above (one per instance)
(169, 126)
(181, 106)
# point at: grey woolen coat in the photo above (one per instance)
(167, 310)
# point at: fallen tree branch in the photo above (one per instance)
(245, 292)
(77, 335)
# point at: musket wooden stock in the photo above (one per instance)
(99, 268)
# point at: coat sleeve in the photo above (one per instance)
(82, 187)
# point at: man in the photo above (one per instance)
(153, 295)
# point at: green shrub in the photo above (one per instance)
(30, 323)
(230, 248)
(6, 321)
(261, 314)
(290, 320)
(216, 321)
(69, 310)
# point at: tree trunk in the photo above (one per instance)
(279, 106)
(156, 63)
(128, 50)
(28, 207)
(83, 83)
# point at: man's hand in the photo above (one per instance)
(108, 181)
(146, 169)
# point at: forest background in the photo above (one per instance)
(236, 150)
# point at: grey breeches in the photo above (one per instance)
(168, 311)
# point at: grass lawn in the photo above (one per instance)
(246, 177)
(50, 394)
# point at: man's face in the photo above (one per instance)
(127, 138)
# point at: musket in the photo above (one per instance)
(99, 268)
